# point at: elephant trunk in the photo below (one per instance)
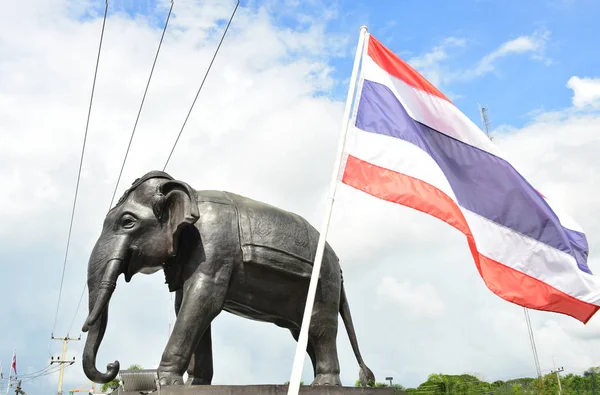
(100, 292)
(90, 351)
(104, 292)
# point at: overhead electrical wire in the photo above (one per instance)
(80, 165)
(191, 108)
(25, 378)
(130, 140)
(141, 104)
(202, 84)
(139, 112)
(35, 373)
(46, 373)
(77, 309)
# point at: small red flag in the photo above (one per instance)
(14, 362)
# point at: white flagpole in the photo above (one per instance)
(10, 369)
(294, 386)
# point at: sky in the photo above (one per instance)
(266, 126)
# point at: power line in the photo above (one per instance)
(129, 145)
(80, 165)
(27, 375)
(139, 112)
(141, 105)
(77, 309)
(25, 378)
(202, 84)
(43, 374)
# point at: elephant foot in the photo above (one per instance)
(168, 378)
(196, 381)
(328, 379)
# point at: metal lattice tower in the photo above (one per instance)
(485, 120)
(486, 127)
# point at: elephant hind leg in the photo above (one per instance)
(200, 369)
(322, 333)
(327, 370)
(322, 347)
(309, 349)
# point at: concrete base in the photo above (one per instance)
(264, 390)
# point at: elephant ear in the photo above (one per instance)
(176, 207)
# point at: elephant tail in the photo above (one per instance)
(365, 375)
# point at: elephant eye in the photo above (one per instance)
(128, 222)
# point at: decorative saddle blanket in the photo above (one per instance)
(271, 236)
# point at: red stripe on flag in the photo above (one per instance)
(507, 283)
(395, 66)
(510, 284)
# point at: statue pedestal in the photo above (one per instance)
(264, 390)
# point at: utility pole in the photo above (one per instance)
(62, 361)
(18, 390)
(557, 371)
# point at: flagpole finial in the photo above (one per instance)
(365, 28)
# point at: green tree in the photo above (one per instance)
(111, 385)
(587, 383)
(378, 384)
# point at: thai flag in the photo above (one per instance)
(408, 144)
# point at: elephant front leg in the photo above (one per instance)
(200, 368)
(201, 303)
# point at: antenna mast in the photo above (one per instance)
(485, 120)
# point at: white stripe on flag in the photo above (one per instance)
(397, 155)
(430, 110)
(556, 268)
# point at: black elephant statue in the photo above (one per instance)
(219, 251)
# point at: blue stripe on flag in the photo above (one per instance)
(483, 183)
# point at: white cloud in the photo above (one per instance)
(420, 299)
(430, 63)
(586, 91)
(438, 53)
(433, 64)
(262, 128)
(534, 44)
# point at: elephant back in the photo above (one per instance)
(270, 236)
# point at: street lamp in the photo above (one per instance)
(390, 380)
